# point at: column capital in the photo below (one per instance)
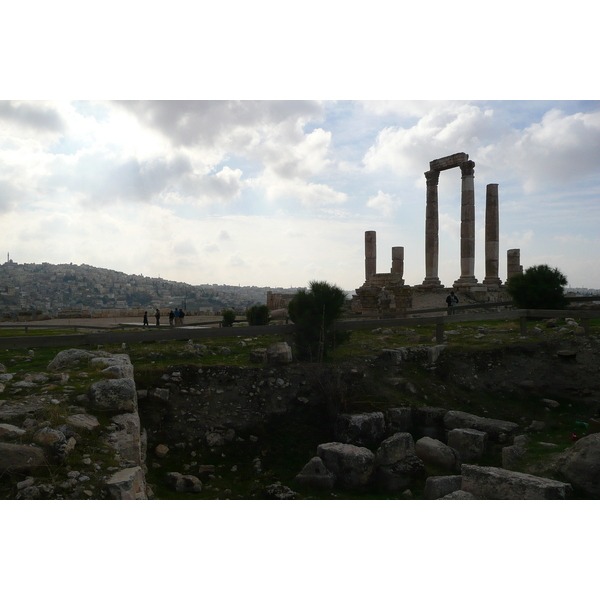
(432, 177)
(467, 168)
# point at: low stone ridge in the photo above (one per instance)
(492, 483)
(581, 465)
(497, 430)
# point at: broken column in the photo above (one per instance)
(492, 236)
(431, 230)
(398, 260)
(513, 263)
(370, 254)
(467, 225)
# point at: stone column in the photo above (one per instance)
(370, 254)
(398, 260)
(513, 263)
(431, 231)
(492, 236)
(467, 225)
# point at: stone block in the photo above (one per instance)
(394, 449)
(469, 443)
(127, 484)
(18, 458)
(436, 487)
(459, 495)
(279, 353)
(428, 421)
(361, 429)
(114, 394)
(352, 465)
(83, 421)
(492, 483)
(581, 465)
(400, 476)
(315, 475)
(437, 454)
(497, 430)
(400, 419)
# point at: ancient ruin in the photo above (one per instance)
(386, 293)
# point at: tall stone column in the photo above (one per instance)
(370, 254)
(513, 263)
(467, 225)
(492, 236)
(432, 230)
(398, 260)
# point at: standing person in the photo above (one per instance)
(145, 320)
(181, 315)
(451, 301)
(171, 317)
(176, 317)
(157, 317)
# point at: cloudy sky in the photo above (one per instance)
(278, 193)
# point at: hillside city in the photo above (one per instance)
(62, 290)
(57, 289)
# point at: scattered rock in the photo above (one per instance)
(183, 483)
(436, 453)
(352, 465)
(581, 465)
(18, 458)
(315, 475)
(161, 451)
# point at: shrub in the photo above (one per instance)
(314, 312)
(258, 315)
(228, 318)
(538, 287)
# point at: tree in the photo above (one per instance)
(258, 315)
(538, 287)
(314, 312)
(228, 318)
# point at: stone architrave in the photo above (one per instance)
(467, 225)
(492, 236)
(370, 254)
(513, 263)
(432, 230)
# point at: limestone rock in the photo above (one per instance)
(511, 455)
(49, 437)
(315, 475)
(276, 491)
(436, 453)
(258, 355)
(83, 421)
(114, 394)
(18, 458)
(279, 353)
(581, 465)
(183, 483)
(118, 364)
(126, 440)
(469, 443)
(127, 484)
(437, 487)
(214, 438)
(351, 465)
(394, 449)
(459, 495)
(68, 359)
(497, 430)
(9, 432)
(361, 429)
(161, 451)
(492, 483)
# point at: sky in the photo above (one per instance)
(280, 192)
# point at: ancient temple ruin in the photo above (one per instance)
(386, 293)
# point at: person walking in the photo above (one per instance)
(451, 301)
(157, 317)
(145, 320)
(181, 315)
(171, 318)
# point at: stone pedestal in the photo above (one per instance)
(492, 236)
(513, 263)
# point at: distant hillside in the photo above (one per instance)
(51, 288)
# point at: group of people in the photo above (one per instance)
(175, 317)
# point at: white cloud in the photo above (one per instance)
(384, 203)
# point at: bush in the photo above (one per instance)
(258, 315)
(228, 318)
(314, 312)
(538, 287)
